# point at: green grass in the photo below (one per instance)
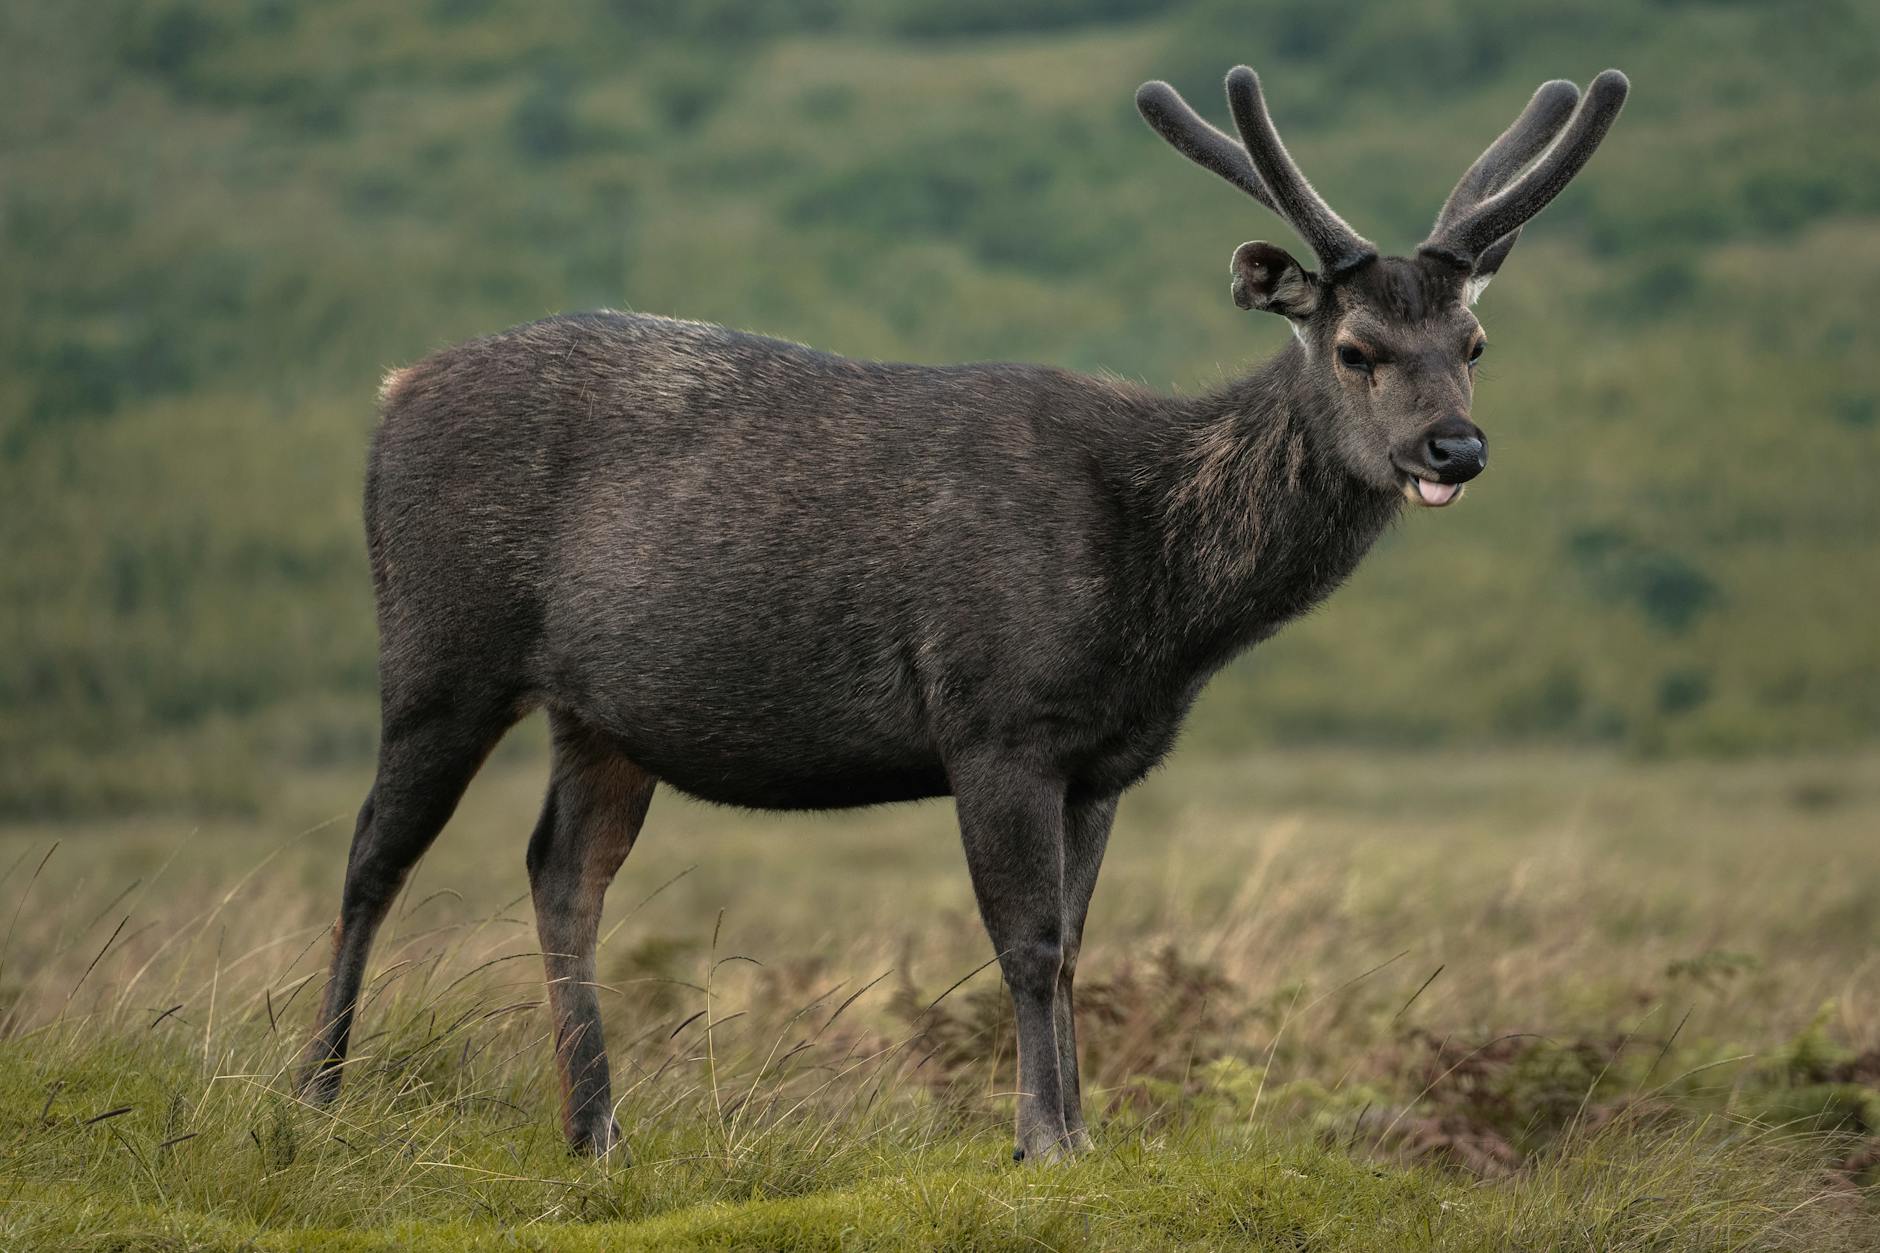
(1330, 1001)
(911, 1189)
(221, 1157)
(224, 220)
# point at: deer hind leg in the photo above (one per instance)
(597, 799)
(427, 757)
(1086, 834)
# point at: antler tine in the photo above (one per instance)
(1548, 111)
(1539, 122)
(1469, 238)
(1339, 248)
(1163, 108)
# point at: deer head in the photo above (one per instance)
(1390, 342)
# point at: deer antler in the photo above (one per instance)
(1477, 225)
(1262, 167)
(1338, 246)
(1502, 160)
(1171, 117)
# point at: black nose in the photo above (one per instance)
(1454, 449)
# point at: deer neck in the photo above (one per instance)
(1253, 518)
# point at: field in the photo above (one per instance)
(1525, 897)
(1330, 1001)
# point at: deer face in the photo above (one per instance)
(1393, 349)
(1390, 340)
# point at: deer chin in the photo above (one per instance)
(1430, 494)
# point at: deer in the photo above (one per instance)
(771, 577)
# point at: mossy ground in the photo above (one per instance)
(1330, 1001)
(196, 1160)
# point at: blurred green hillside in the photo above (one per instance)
(220, 222)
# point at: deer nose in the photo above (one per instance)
(1455, 450)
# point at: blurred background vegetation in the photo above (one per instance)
(221, 221)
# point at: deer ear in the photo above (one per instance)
(1266, 277)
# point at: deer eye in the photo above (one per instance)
(1475, 353)
(1352, 357)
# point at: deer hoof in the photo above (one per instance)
(1041, 1149)
(319, 1083)
(602, 1141)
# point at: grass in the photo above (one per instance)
(1330, 1001)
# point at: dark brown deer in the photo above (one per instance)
(776, 578)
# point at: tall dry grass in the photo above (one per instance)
(1558, 976)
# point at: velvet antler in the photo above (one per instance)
(1502, 160)
(1259, 165)
(1470, 231)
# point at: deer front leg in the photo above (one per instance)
(1012, 824)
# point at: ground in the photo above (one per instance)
(1329, 1001)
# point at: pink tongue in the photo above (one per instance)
(1435, 493)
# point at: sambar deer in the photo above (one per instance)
(776, 578)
